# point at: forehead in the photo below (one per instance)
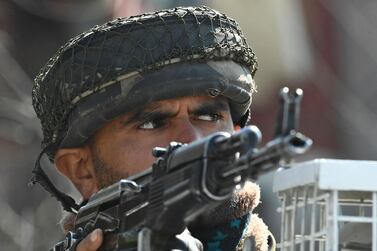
(191, 103)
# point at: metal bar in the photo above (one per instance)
(326, 221)
(317, 235)
(355, 219)
(322, 223)
(374, 223)
(335, 233)
(293, 218)
(283, 215)
(303, 220)
(328, 224)
(312, 220)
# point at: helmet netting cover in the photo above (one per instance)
(140, 43)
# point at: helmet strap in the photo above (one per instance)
(39, 176)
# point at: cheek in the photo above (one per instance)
(228, 123)
(227, 126)
(131, 156)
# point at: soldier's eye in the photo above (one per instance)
(210, 117)
(152, 124)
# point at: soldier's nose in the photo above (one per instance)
(187, 132)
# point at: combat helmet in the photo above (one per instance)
(106, 71)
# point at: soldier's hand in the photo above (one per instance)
(91, 242)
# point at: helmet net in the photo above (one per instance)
(140, 43)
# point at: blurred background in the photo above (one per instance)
(325, 47)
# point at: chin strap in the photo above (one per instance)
(39, 176)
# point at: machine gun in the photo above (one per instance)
(185, 181)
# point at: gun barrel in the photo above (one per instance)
(297, 143)
(257, 162)
(240, 141)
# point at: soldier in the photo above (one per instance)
(113, 93)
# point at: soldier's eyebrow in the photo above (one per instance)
(147, 113)
(156, 111)
(211, 106)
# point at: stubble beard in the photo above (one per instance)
(242, 202)
(106, 174)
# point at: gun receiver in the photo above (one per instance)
(185, 181)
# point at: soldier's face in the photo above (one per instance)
(123, 146)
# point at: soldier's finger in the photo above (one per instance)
(91, 242)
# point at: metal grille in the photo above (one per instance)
(324, 212)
